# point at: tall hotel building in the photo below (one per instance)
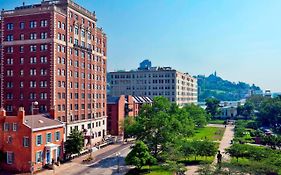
(178, 87)
(53, 60)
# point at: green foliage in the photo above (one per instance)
(270, 113)
(74, 143)
(198, 115)
(174, 166)
(247, 110)
(214, 86)
(140, 156)
(238, 151)
(161, 124)
(208, 133)
(212, 106)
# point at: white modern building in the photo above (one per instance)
(178, 87)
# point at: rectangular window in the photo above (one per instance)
(6, 126)
(22, 25)
(15, 126)
(48, 137)
(33, 48)
(10, 157)
(10, 26)
(39, 140)
(44, 23)
(57, 136)
(10, 38)
(39, 157)
(26, 142)
(33, 24)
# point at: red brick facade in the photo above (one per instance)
(18, 142)
(54, 53)
(120, 107)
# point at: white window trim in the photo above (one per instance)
(9, 152)
(41, 139)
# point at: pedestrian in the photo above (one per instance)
(219, 157)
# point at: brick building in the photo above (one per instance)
(120, 107)
(27, 140)
(53, 53)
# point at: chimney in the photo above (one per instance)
(21, 113)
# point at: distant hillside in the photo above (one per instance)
(224, 90)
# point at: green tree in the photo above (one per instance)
(212, 106)
(197, 114)
(238, 151)
(139, 156)
(74, 143)
(187, 149)
(161, 124)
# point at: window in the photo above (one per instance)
(33, 36)
(39, 157)
(33, 24)
(43, 59)
(22, 25)
(10, 61)
(44, 35)
(10, 73)
(43, 47)
(44, 23)
(32, 96)
(10, 157)
(10, 38)
(32, 60)
(21, 49)
(10, 49)
(57, 136)
(26, 142)
(21, 84)
(43, 95)
(32, 72)
(59, 24)
(6, 126)
(15, 126)
(48, 137)
(32, 84)
(21, 36)
(10, 140)
(39, 140)
(33, 48)
(21, 60)
(10, 26)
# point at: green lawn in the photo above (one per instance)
(152, 170)
(198, 161)
(210, 133)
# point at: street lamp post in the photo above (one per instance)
(118, 161)
(35, 103)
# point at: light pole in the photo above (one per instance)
(118, 161)
(35, 103)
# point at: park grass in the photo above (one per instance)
(151, 170)
(199, 160)
(208, 133)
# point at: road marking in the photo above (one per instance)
(108, 156)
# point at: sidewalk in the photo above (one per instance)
(224, 144)
(77, 162)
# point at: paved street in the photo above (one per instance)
(105, 163)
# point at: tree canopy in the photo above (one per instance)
(74, 143)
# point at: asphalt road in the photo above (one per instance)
(105, 164)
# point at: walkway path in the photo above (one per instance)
(224, 144)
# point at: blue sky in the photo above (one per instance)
(240, 39)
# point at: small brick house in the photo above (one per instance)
(120, 107)
(29, 140)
